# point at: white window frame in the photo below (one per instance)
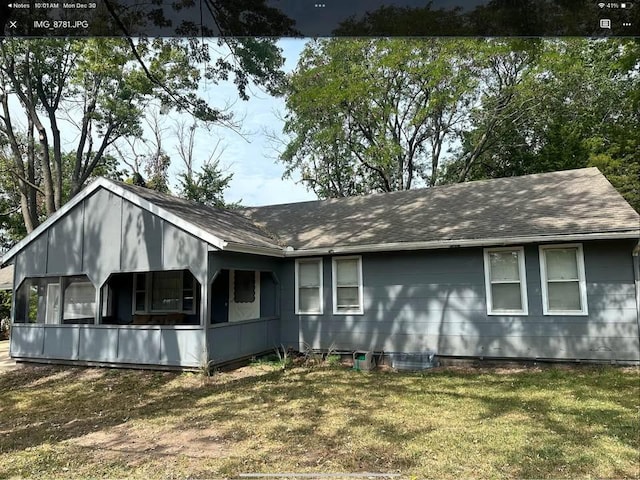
(522, 274)
(582, 279)
(297, 285)
(148, 292)
(334, 285)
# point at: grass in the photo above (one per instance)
(446, 423)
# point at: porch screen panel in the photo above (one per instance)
(38, 300)
(79, 300)
(166, 291)
(244, 286)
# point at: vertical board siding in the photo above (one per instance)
(27, 341)
(134, 345)
(435, 300)
(64, 255)
(141, 240)
(102, 234)
(61, 343)
(242, 339)
(98, 344)
(32, 261)
(183, 250)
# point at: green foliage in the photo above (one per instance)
(378, 114)
(5, 313)
(207, 186)
(576, 107)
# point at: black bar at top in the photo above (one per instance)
(318, 18)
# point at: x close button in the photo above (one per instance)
(13, 24)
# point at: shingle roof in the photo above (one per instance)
(225, 224)
(574, 203)
(6, 278)
(560, 203)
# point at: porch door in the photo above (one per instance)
(244, 295)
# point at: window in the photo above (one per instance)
(347, 285)
(505, 281)
(564, 288)
(40, 300)
(309, 286)
(244, 286)
(79, 300)
(162, 292)
(166, 291)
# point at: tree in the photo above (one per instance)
(582, 100)
(207, 186)
(381, 115)
(100, 89)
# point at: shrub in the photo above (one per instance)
(5, 328)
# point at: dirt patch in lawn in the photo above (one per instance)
(138, 444)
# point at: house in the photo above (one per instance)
(535, 267)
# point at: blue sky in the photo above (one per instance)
(257, 177)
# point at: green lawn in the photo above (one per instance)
(446, 423)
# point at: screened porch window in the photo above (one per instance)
(347, 285)
(162, 292)
(505, 281)
(79, 300)
(564, 290)
(309, 286)
(39, 300)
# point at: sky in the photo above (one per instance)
(257, 176)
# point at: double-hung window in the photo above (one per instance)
(309, 286)
(505, 281)
(564, 289)
(164, 292)
(347, 285)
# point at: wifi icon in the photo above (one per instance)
(601, 5)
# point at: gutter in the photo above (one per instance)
(429, 245)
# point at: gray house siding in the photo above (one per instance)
(233, 340)
(435, 300)
(140, 345)
(101, 235)
(116, 236)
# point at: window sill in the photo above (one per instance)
(508, 313)
(565, 313)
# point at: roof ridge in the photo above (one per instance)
(424, 189)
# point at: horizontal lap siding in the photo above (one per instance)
(435, 300)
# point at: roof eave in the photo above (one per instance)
(254, 249)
